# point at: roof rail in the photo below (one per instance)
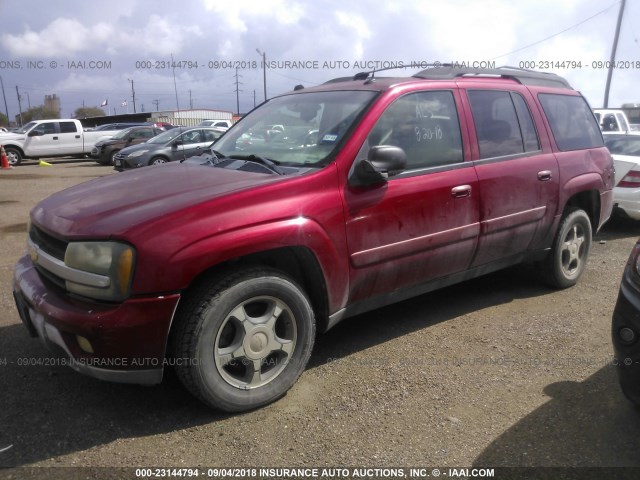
(521, 75)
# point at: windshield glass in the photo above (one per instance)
(122, 134)
(26, 128)
(167, 136)
(297, 129)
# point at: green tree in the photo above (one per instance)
(4, 121)
(85, 112)
(38, 113)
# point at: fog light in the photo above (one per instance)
(84, 344)
(627, 335)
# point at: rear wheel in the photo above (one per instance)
(242, 341)
(570, 251)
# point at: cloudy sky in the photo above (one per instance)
(86, 52)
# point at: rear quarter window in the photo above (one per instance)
(572, 122)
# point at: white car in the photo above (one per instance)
(222, 125)
(625, 150)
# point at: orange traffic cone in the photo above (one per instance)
(5, 160)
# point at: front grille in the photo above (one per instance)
(49, 244)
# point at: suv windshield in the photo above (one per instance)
(296, 129)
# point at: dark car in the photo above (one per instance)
(625, 328)
(175, 144)
(118, 126)
(225, 267)
(105, 150)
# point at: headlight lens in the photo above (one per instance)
(137, 153)
(114, 260)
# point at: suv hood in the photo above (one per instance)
(114, 205)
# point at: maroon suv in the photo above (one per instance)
(376, 189)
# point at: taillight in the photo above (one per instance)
(630, 180)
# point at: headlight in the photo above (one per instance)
(113, 261)
(137, 154)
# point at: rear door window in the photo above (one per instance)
(572, 122)
(503, 123)
(68, 127)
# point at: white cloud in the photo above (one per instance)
(236, 14)
(353, 25)
(67, 36)
(61, 36)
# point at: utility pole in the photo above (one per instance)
(613, 54)
(133, 95)
(190, 100)
(19, 104)
(237, 92)
(6, 109)
(156, 103)
(264, 71)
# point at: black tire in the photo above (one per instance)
(13, 155)
(570, 250)
(158, 161)
(112, 158)
(241, 341)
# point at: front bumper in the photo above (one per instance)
(127, 340)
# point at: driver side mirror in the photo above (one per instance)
(176, 143)
(382, 162)
(35, 133)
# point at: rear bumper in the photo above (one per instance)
(628, 200)
(127, 341)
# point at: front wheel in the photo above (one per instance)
(570, 251)
(157, 161)
(13, 156)
(242, 341)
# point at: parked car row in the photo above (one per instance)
(175, 144)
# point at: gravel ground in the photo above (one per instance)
(499, 371)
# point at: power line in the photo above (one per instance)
(556, 34)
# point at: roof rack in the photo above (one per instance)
(521, 75)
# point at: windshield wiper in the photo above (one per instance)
(271, 164)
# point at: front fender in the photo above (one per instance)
(190, 262)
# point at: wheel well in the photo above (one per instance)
(15, 147)
(297, 262)
(589, 201)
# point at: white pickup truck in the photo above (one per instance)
(50, 138)
(612, 120)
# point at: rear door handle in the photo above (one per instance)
(461, 191)
(544, 175)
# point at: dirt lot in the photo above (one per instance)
(500, 371)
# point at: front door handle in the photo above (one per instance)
(544, 175)
(55, 138)
(461, 191)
